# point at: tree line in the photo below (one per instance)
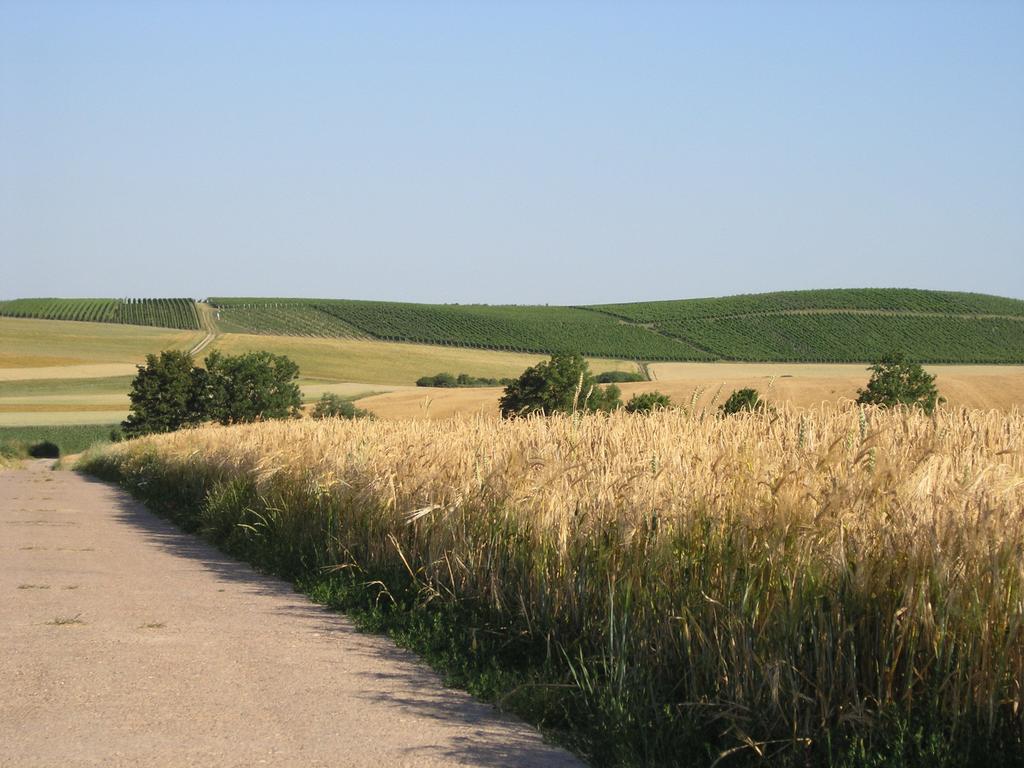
(170, 392)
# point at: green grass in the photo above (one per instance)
(842, 325)
(16, 442)
(30, 343)
(164, 313)
(72, 388)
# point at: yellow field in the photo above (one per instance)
(54, 343)
(383, 362)
(58, 368)
(973, 386)
(37, 354)
(707, 385)
(788, 570)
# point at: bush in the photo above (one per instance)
(169, 393)
(562, 384)
(646, 402)
(743, 400)
(162, 395)
(898, 381)
(44, 450)
(332, 406)
(438, 380)
(617, 377)
(252, 387)
(462, 380)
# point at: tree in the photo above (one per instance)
(162, 395)
(743, 400)
(439, 380)
(562, 384)
(252, 387)
(895, 380)
(645, 402)
(332, 406)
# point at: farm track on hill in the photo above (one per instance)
(140, 645)
(205, 314)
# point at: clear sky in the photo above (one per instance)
(509, 152)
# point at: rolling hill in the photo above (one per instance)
(820, 326)
(840, 325)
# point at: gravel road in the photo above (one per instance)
(128, 643)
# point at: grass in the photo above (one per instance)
(832, 587)
(71, 389)
(19, 441)
(390, 363)
(26, 343)
(63, 621)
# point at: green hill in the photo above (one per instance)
(839, 325)
(162, 313)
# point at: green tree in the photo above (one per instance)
(562, 384)
(439, 380)
(743, 400)
(645, 402)
(162, 395)
(895, 380)
(332, 406)
(256, 386)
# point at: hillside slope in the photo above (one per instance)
(839, 325)
(158, 313)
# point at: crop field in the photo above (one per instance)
(17, 441)
(838, 586)
(285, 319)
(707, 385)
(164, 313)
(513, 329)
(890, 300)
(849, 325)
(29, 343)
(378, 362)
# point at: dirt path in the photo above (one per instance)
(209, 325)
(127, 643)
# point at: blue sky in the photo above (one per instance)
(516, 152)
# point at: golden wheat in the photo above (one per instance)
(775, 574)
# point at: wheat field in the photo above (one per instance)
(772, 584)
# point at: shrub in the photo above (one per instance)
(645, 402)
(898, 381)
(562, 384)
(252, 387)
(44, 450)
(743, 400)
(462, 380)
(162, 395)
(613, 377)
(332, 406)
(438, 380)
(169, 393)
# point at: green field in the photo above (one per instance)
(29, 343)
(161, 313)
(19, 441)
(841, 325)
(527, 329)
